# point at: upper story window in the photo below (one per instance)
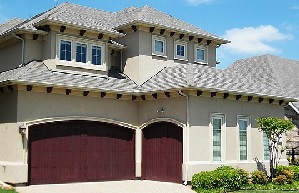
(96, 55)
(200, 54)
(81, 52)
(243, 124)
(180, 50)
(65, 50)
(159, 44)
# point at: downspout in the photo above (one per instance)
(23, 47)
(187, 135)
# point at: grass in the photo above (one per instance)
(263, 191)
(7, 191)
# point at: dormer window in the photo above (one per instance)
(96, 55)
(180, 50)
(65, 50)
(81, 52)
(159, 44)
(200, 54)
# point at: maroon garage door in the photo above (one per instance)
(162, 154)
(79, 151)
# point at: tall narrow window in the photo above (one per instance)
(243, 123)
(65, 50)
(266, 147)
(217, 122)
(96, 55)
(81, 53)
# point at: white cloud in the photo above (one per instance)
(197, 2)
(295, 7)
(254, 40)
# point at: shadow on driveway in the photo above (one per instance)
(129, 186)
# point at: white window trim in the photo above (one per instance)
(197, 46)
(183, 43)
(248, 130)
(88, 65)
(221, 116)
(159, 38)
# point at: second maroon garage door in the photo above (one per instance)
(79, 151)
(162, 152)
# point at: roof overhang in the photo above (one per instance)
(218, 40)
(79, 27)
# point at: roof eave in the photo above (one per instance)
(218, 40)
(57, 22)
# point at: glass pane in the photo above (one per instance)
(266, 148)
(159, 46)
(68, 56)
(200, 54)
(217, 123)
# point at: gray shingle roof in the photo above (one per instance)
(150, 15)
(210, 78)
(37, 72)
(272, 70)
(107, 21)
(170, 78)
(10, 25)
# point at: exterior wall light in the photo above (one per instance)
(22, 129)
(160, 111)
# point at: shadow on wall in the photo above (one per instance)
(260, 166)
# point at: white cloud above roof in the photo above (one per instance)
(254, 40)
(197, 2)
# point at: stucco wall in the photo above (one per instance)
(140, 64)
(33, 105)
(197, 144)
(33, 50)
(11, 56)
(8, 103)
(200, 134)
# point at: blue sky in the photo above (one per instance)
(255, 27)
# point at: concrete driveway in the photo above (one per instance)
(130, 186)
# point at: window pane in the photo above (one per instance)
(200, 54)
(159, 46)
(81, 53)
(65, 50)
(266, 147)
(217, 123)
(96, 55)
(180, 50)
(243, 124)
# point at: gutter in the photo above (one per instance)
(187, 135)
(23, 47)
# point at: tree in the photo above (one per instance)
(274, 127)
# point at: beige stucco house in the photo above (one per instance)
(90, 95)
(282, 73)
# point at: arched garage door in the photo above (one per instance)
(162, 152)
(80, 151)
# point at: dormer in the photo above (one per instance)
(156, 40)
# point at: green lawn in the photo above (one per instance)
(7, 191)
(263, 191)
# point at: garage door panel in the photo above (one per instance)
(76, 151)
(162, 152)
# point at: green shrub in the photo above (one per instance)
(259, 177)
(294, 169)
(224, 177)
(281, 180)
